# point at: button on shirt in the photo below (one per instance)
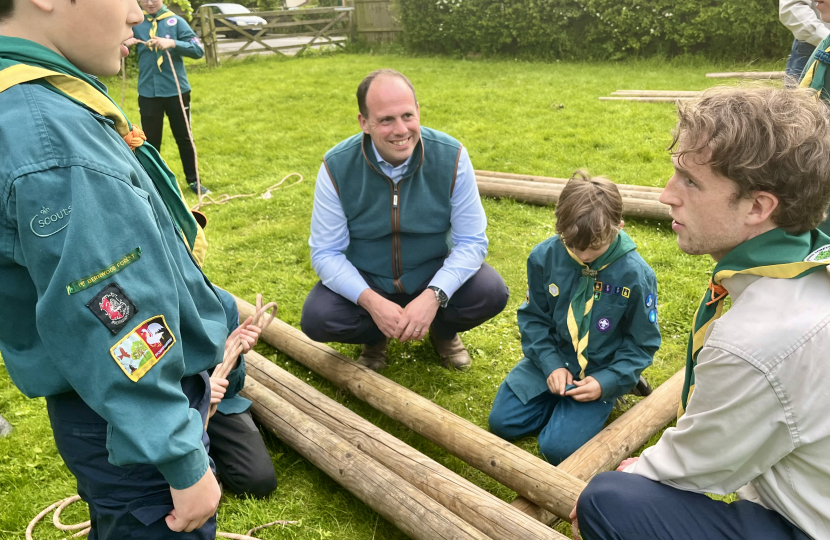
(330, 232)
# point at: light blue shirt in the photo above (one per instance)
(330, 232)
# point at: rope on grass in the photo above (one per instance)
(222, 199)
(86, 525)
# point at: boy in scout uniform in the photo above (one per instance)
(104, 309)
(589, 325)
(162, 30)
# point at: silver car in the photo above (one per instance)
(250, 23)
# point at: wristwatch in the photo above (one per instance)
(440, 295)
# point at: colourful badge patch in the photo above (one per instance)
(617, 290)
(608, 288)
(598, 286)
(821, 254)
(553, 289)
(172, 21)
(604, 324)
(112, 307)
(527, 296)
(626, 292)
(650, 301)
(104, 273)
(652, 316)
(597, 296)
(143, 347)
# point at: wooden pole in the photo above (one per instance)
(487, 513)
(522, 472)
(657, 93)
(645, 99)
(748, 75)
(618, 440)
(546, 197)
(414, 513)
(563, 181)
(624, 192)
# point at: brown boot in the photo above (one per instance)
(374, 356)
(452, 352)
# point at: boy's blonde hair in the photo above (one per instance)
(589, 212)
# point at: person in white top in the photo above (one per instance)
(750, 186)
(802, 19)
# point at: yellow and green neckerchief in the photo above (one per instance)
(582, 299)
(163, 13)
(774, 254)
(24, 61)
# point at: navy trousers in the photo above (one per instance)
(327, 316)
(124, 502)
(562, 423)
(623, 506)
(799, 54)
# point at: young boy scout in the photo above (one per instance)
(589, 325)
(103, 309)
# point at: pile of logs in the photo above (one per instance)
(422, 498)
(638, 201)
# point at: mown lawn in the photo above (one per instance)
(258, 120)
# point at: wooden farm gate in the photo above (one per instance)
(281, 32)
(375, 20)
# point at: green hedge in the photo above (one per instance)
(595, 29)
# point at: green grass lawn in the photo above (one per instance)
(258, 120)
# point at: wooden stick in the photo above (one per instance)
(533, 195)
(488, 513)
(642, 195)
(654, 99)
(414, 513)
(657, 93)
(551, 180)
(748, 75)
(522, 472)
(618, 440)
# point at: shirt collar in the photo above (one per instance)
(382, 162)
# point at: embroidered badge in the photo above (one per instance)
(172, 21)
(626, 292)
(597, 296)
(553, 289)
(617, 290)
(527, 296)
(821, 254)
(652, 316)
(104, 273)
(650, 301)
(604, 324)
(608, 289)
(48, 222)
(143, 347)
(598, 286)
(196, 41)
(112, 307)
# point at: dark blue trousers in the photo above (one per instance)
(124, 502)
(327, 316)
(623, 506)
(799, 54)
(562, 423)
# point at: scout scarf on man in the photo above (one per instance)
(813, 76)
(582, 299)
(774, 254)
(163, 13)
(23, 61)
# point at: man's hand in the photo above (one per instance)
(558, 380)
(417, 316)
(588, 390)
(627, 462)
(574, 522)
(218, 387)
(193, 506)
(161, 43)
(386, 314)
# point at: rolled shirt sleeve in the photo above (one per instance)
(802, 20)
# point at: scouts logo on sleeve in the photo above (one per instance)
(553, 289)
(626, 292)
(48, 222)
(112, 307)
(652, 316)
(172, 21)
(598, 286)
(821, 254)
(143, 347)
(604, 324)
(650, 301)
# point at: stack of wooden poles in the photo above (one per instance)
(638, 201)
(422, 498)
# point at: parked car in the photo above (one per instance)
(250, 23)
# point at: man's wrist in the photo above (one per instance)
(440, 296)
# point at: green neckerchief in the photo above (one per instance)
(16, 54)
(163, 13)
(774, 254)
(582, 299)
(814, 74)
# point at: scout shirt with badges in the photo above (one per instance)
(622, 335)
(101, 292)
(155, 78)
